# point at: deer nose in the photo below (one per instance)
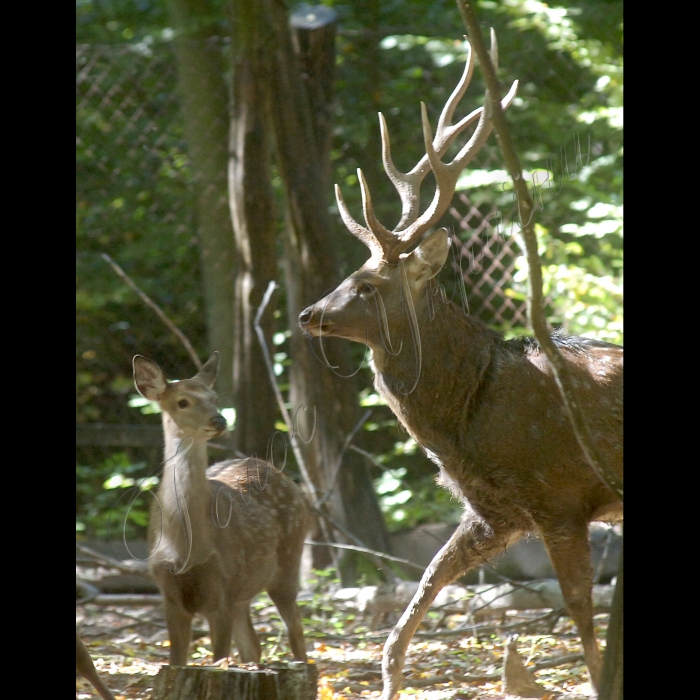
(218, 422)
(305, 316)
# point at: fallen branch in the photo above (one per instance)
(127, 599)
(104, 560)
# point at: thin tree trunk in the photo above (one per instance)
(204, 100)
(254, 225)
(311, 269)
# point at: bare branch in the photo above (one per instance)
(313, 491)
(373, 552)
(161, 314)
(346, 444)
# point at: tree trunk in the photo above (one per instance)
(204, 100)
(296, 681)
(302, 143)
(254, 226)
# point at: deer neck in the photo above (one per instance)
(431, 385)
(185, 500)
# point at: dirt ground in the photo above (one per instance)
(130, 644)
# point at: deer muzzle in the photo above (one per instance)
(218, 425)
(310, 322)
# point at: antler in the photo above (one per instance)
(388, 245)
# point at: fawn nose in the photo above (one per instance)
(218, 422)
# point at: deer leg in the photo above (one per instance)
(220, 629)
(244, 633)
(571, 558)
(472, 543)
(286, 601)
(85, 667)
(179, 623)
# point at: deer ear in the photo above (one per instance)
(149, 378)
(427, 259)
(207, 375)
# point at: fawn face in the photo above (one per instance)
(191, 404)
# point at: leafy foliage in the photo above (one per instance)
(105, 498)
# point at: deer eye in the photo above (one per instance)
(366, 290)
(183, 403)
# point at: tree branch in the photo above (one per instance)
(161, 315)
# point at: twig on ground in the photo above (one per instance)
(87, 591)
(476, 631)
(138, 620)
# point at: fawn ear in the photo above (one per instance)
(207, 375)
(149, 378)
(427, 259)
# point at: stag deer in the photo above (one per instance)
(487, 411)
(219, 536)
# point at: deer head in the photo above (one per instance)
(191, 404)
(393, 279)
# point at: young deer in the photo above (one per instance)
(219, 535)
(487, 411)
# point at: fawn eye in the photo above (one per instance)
(183, 403)
(366, 290)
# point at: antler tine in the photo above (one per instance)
(384, 237)
(481, 133)
(447, 174)
(494, 48)
(360, 232)
(408, 184)
(412, 226)
(443, 127)
(445, 178)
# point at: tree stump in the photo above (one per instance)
(292, 681)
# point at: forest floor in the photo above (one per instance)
(129, 644)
